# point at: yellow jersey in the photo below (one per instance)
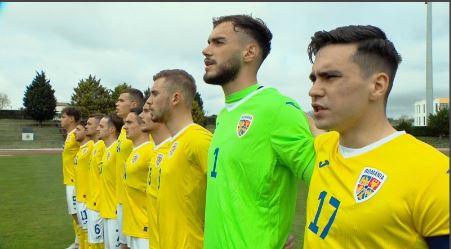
(81, 163)
(153, 185)
(92, 201)
(70, 149)
(124, 147)
(389, 194)
(181, 198)
(134, 219)
(108, 183)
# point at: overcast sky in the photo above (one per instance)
(130, 42)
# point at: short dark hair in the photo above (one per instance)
(97, 116)
(181, 80)
(254, 27)
(72, 111)
(82, 122)
(115, 121)
(137, 110)
(374, 50)
(135, 95)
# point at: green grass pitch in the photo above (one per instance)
(33, 210)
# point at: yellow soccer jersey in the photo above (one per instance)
(135, 221)
(94, 175)
(108, 183)
(153, 185)
(181, 199)
(70, 149)
(81, 163)
(389, 194)
(124, 147)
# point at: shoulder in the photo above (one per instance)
(327, 139)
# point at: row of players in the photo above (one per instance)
(238, 188)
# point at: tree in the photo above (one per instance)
(39, 99)
(197, 110)
(146, 94)
(92, 97)
(439, 123)
(118, 90)
(4, 101)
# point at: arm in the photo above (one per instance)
(292, 140)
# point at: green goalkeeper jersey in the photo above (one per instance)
(260, 149)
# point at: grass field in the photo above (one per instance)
(33, 212)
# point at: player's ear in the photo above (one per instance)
(378, 86)
(176, 98)
(251, 52)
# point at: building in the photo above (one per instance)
(58, 109)
(420, 117)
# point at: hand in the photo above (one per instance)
(290, 242)
(313, 129)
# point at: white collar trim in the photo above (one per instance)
(234, 105)
(350, 152)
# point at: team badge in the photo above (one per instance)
(84, 150)
(159, 159)
(135, 158)
(368, 183)
(244, 124)
(173, 148)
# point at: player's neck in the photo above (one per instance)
(142, 138)
(70, 127)
(179, 121)
(160, 134)
(84, 141)
(242, 81)
(366, 132)
(110, 140)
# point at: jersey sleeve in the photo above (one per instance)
(197, 150)
(431, 210)
(292, 140)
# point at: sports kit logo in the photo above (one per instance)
(159, 159)
(368, 183)
(244, 124)
(108, 155)
(323, 163)
(173, 148)
(135, 158)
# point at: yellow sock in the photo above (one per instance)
(81, 238)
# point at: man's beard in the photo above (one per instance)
(227, 72)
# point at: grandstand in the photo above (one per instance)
(48, 135)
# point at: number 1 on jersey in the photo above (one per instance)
(213, 172)
(334, 202)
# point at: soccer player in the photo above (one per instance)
(81, 164)
(373, 186)
(261, 147)
(131, 98)
(181, 198)
(109, 129)
(135, 222)
(162, 142)
(95, 221)
(70, 116)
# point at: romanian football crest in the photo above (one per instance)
(244, 124)
(159, 159)
(368, 183)
(173, 148)
(135, 158)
